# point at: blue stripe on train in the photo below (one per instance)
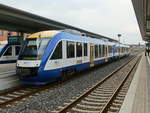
(7, 61)
(48, 76)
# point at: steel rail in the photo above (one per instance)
(108, 104)
(54, 84)
(73, 103)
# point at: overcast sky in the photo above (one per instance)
(105, 17)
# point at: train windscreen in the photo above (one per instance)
(1, 47)
(33, 49)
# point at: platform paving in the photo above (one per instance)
(7, 67)
(8, 76)
(137, 99)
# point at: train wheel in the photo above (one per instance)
(67, 73)
(64, 75)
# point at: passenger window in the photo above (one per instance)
(17, 49)
(85, 49)
(70, 49)
(57, 54)
(104, 50)
(108, 49)
(100, 53)
(8, 52)
(96, 51)
(79, 49)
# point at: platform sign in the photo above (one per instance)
(14, 40)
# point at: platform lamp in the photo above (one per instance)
(119, 35)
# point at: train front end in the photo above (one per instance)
(30, 58)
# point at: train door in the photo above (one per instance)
(107, 53)
(91, 55)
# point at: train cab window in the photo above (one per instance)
(79, 49)
(57, 54)
(8, 52)
(17, 49)
(70, 49)
(96, 51)
(85, 49)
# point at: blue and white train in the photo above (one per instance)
(49, 55)
(9, 52)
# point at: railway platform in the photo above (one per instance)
(8, 78)
(137, 99)
(7, 67)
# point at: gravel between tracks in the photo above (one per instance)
(50, 99)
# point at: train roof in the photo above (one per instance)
(69, 36)
(44, 34)
(122, 45)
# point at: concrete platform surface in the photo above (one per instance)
(137, 99)
(8, 76)
(7, 67)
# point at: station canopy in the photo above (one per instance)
(142, 11)
(17, 20)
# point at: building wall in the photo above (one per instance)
(4, 35)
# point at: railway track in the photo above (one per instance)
(18, 93)
(15, 95)
(106, 96)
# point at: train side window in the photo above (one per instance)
(104, 50)
(85, 49)
(8, 52)
(79, 49)
(109, 49)
(57, 54)
(17, 49)
(100, 51)
(70, 49)
(96, 51)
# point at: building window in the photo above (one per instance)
(85, 49)
(96, 51)
(79, 49)
(1, 32)
(57, 54)
(70, 49)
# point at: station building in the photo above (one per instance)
(4, 35)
